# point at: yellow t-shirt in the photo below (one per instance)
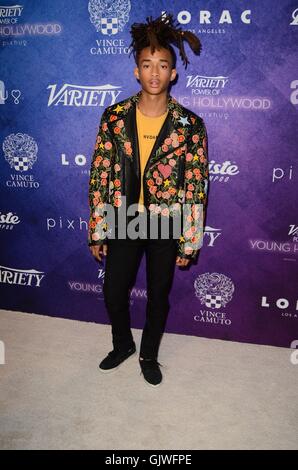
(148, 130)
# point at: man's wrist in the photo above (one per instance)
(97, 243)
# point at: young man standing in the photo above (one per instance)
(151, 152)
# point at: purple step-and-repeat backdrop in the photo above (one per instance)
(61, 65)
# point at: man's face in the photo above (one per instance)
(155, 70)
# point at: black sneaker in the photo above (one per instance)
(151, 371)
(113, 360)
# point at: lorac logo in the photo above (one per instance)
(80, 95)
(109, 16)
(208, 17)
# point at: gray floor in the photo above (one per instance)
(215, 394)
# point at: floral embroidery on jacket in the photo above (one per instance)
(169, 183)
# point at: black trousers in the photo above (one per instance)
(121, 267)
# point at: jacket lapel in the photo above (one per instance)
(132, 133)
(166, 129)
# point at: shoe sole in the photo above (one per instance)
(152, 385)
(108, 371)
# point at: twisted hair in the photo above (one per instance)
(163, 32)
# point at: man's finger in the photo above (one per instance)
(98, 251)
(95, 250)
(182, 261)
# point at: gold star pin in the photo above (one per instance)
(196, 157)
(166, 182)
(118, 109)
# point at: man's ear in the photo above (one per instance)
(173, 74)
(136, 73)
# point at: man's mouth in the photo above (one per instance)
(154, 83)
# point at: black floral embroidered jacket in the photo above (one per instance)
(176, 173)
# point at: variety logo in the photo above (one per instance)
(79, 95)
(282, 305)
(108, 16)
(86, 288)
(21, 277)
(286, 247)
(10, 13)
(206, 92)
(8, 221)
(293, 232)
(212, 233)
(5, 95)
(10, 26)
(20, 151)
(204, 85)
(215, 291)
(97, 288)
(137, 294)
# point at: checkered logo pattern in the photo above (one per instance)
(109, 25)
(21, 163)
(213, 300)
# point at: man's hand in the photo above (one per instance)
(99, 250)
(182, 261)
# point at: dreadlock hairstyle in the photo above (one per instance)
(162, 32)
